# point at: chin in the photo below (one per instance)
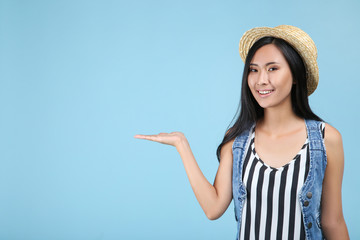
(265, 106)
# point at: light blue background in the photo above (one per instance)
(78, 79)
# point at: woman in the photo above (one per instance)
(276, 195)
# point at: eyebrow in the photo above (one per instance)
(265, 64)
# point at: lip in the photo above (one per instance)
(265, 95)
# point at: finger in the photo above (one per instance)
(147, 137)
(140, 136)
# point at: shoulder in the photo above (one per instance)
(226, 154)
(333, 143)
(332, 136)
(228, 146)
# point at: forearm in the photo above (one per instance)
(204, 191)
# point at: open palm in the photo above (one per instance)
(173, 138)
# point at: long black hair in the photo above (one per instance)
(250, 110)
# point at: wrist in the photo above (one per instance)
(182, 143)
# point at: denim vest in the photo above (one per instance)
(310, 194)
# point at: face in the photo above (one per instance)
(270, 79)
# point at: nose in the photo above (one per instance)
(263, 78)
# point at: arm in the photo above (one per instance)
(332, 219)
(214, 199)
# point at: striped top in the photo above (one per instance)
(272, 209)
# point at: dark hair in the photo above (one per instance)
(250, 110)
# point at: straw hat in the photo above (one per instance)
(297, 38)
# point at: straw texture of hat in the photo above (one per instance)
(297, 38)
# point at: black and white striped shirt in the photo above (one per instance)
(271, 209)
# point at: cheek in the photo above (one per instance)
(290, 82)
(251, 86)
(286, 81)
(250, 82)
(289, 77)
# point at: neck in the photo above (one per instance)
(279, 119)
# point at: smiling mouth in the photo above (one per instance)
(264, 92)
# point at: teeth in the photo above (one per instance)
(264, 92)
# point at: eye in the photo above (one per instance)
(252, 70)
(272, 69)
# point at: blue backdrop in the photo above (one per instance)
(78, 79)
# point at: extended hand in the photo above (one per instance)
(173, 138)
